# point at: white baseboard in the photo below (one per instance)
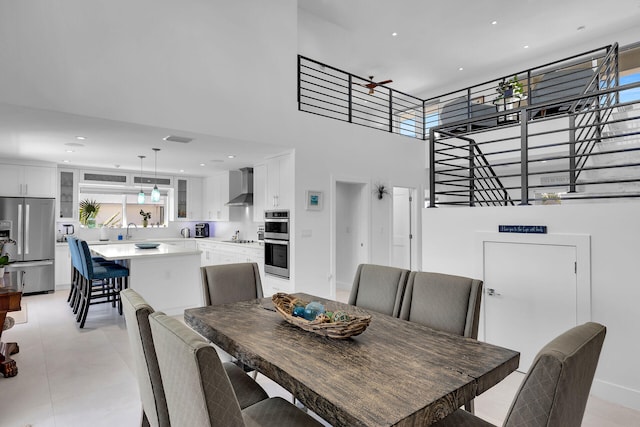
(617, 394)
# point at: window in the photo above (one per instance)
(124, 205)
(630, 95)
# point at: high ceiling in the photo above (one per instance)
(436, 38)
(125, 81)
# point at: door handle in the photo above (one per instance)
(492, 292)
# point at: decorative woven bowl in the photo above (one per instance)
(358, 322)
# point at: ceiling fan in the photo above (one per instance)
(372, 85)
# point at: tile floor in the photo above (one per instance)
(70, 377)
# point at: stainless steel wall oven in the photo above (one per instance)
(276, 243)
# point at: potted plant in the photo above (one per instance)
(145, 217)
(507, 89)
(88, 211)
(4, 260)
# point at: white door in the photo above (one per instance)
(530, 295)
(402, 253)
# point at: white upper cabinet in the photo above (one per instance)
(27, 181)
(279, 194)
(188, 199)
(218, 190)
(259, 191)
(67, 194)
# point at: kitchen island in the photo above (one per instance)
(167, 277)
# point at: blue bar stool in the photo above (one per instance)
(111, 278)
(76, 272)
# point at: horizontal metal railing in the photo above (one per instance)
(337, 94)
(590, 153)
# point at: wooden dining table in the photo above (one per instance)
(396, 373)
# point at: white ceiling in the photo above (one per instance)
(434, 39)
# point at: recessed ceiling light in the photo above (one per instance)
(201, 164)
(460, 69)
(231, 156)
(65, 161)
(181, 170)
(526, 46)
(494, 22)
(81, 138)
(394, 34)
(69, 151)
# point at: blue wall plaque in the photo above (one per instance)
(531, 229)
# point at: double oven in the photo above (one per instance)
(276, 243)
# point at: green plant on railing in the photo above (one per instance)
(88, 211)
(511, 88)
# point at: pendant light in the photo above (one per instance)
(155, 193)
(141, 193)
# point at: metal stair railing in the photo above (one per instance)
(484, 187)
(590, 124)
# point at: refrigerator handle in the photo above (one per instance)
(26, 229)
(18, 242)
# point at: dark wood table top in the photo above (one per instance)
(396, 373)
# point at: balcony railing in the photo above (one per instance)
(590, 152)
(333, 93)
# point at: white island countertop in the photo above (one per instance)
(130, 251)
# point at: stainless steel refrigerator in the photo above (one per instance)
(30, 222)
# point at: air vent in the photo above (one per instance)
(100, 177)
(180, 139)
(151, 180)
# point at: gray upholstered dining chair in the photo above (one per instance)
(152, 395)
(227, 283)
(198, 389)
(554, 392)
(379, 288)
(444, 302)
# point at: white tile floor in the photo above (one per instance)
(70, 377)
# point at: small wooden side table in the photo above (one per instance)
(10, 295)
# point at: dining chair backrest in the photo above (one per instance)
(444, 302)
(227, 283)
(196, 386)
(555, 390)
(379, 288)
(76, 261)
(136, 313)
(85, 257)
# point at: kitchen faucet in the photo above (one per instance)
(129, 236)
(236, 235)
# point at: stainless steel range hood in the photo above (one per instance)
(246, 195)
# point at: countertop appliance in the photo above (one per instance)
(202, 230)
(30, 222)
(185, 232)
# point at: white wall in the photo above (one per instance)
(341, 151)
(449, 247)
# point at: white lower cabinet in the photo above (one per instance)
(272, 285)
(216, 253)
(62, 267)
